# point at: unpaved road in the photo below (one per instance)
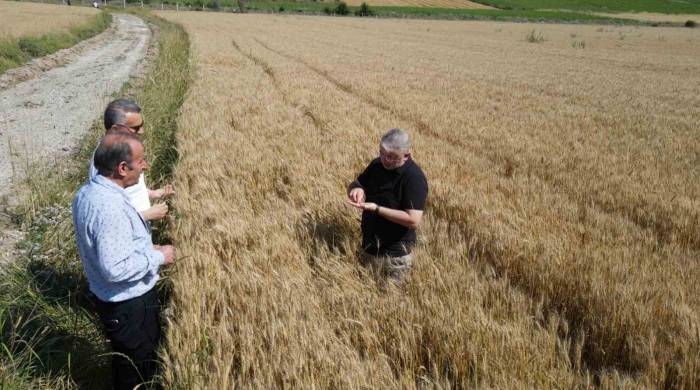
(45, 117)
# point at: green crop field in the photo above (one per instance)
(507, 10)
(388, 11)
(660, 6)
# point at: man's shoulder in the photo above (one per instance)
(374, 166)
(376, 162)
(92, 193)
(414, 171)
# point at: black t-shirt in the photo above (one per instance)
(403, 188)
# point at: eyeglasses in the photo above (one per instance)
(391, 157)
(135, 129)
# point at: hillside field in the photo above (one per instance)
(22, 18)
(562, 233)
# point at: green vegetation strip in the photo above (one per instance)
(340, 9)
(443, 13)
(568, 11)
(17, 51)
(658, 6)
(49, 336)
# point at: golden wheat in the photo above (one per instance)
(562, 235)
(21, 18)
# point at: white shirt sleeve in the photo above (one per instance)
(138, 195)
(92, 171)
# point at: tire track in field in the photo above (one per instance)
(594, 356)
(597, 353)
(480, 250)
(646, 216)
(658, 224)
(306, 112)
(349, 89)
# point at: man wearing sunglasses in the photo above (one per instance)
(391, 192)
(124, 115)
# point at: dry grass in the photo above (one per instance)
(422, 3)
(22, 19)
(562, 235)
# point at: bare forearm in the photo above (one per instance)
(400, 217)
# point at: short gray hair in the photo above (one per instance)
(396, 140)
(115, 113)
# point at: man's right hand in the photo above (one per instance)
(168, 252)
(156, 212)
(357, 195)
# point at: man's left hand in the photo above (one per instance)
(164, 192)
(365, 206)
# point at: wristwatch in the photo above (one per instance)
(376, 210)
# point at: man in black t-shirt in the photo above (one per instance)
(391, 192)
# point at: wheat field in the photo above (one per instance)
(22, 18)
(561, 239)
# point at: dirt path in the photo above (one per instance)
(44, 117)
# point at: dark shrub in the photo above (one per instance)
(342, 9)
(690, 24)
(327, 11)
(32, 47)
(364, 10)
(281, 9)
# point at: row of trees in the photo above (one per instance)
(343, 9)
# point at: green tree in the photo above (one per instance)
(342, 9)
(364, 10)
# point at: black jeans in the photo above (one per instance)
(133, 328)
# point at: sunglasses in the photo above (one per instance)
(135, 129)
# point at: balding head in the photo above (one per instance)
(115, 148)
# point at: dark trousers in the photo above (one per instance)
(133, 328)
